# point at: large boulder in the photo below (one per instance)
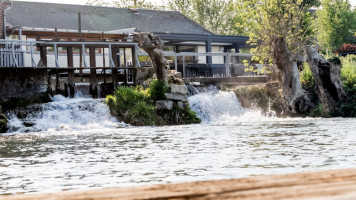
(179, 89)
(3, 123)
(164, 105)
(178, 97)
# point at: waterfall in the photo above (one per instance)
(212, 105)
(64, 114)
(82, 90)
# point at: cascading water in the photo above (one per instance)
(64, 114)
(215, 106)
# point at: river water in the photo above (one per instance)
(75, 144)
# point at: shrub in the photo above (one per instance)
(348, 77)
(3, 123)
(127, 97)
(307, 78)
(135, 106)
(157, 90)
(142, 114)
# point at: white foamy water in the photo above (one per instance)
(65, 114)
(214, 106)
(75, 144)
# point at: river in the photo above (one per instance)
(72, 144)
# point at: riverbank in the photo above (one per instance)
(331, 184)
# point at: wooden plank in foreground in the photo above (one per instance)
(325, 185)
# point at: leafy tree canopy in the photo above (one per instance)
(335, 24)
(271, 20)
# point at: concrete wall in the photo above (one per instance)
(22, 82)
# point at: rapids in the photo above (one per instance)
(75, 144)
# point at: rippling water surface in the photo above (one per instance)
(87, 148)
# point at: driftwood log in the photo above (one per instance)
(153, 45)
(296, 98)
(328, 84)
(326, 185)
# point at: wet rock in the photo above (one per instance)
(164, 105)
(179, 97)
(180, 105)
(3, 123)
(179, 89)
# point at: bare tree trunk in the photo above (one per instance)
(328, 84)
(153, 45)
(296, 99)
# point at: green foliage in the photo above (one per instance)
(135, 106)
(157, 90)
(3, 123)
(348, 77)
(111, 102)
(335, 24)
(318, 111)
(348, 71)
(307, 78)
(143, 114)
(335, 59)
(274, 19)
(127, 97)
(264, 98)
(132, 105)
(215, 15)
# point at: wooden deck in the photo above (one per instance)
(325, 185)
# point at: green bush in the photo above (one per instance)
(157, 90)
(307, 78)
(135, 106)
(127, 97)
(3, 123)
(143, 114)
(348, 77)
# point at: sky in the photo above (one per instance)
(81, 2)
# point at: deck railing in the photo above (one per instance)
(15, 52)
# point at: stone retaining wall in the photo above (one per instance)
(22, 82)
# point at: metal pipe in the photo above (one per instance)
(56, 55)
(83, 52)
(13, 54)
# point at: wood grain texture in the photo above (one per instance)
(325, 185)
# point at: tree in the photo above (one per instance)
(280, 30)
(335, 24)
(214, 15)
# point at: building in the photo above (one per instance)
(33, 21)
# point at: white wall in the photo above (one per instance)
(201, 59)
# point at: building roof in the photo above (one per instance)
(63, 16)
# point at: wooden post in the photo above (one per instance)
(58, 89)
(93, 78)
(71, 75)
(43, 54)
(104, 65)
(209, 59)
(134, 64)
(80, 61)
(115, 77)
